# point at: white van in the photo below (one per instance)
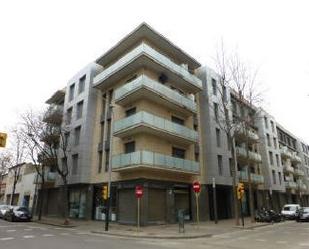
(290, 211)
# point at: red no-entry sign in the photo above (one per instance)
(139, 191)
(196, 187)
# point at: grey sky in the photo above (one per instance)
(43, 43)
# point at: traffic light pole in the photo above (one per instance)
(108, 202)
(241, 213)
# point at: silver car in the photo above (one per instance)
(3, 210)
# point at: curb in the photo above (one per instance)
(152, 236)
(53, 224)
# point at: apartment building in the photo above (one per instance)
(135, 109)
(25, 191)
(151, 111)
(3, 179)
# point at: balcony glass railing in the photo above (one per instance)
(156, 160)
(288, 168)
(299, 172)
(251, 135)
(295, 158)
(252, 155)
(285, 152)
(157, 123)
(146, 82)
(144, 49)
(291, 185)
(255, 178)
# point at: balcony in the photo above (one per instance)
(288, 169)
(146, 122)
(301, 186)
(145, 56)
(295, 158)
(290, 185)
(50, 177)
(285, 153)
(299, 172)
(54, 115)
(242, 155)
(242, 135)
(255, 178)
(154, 161)
(144, 87)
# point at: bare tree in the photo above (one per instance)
(236, 76)
(47, 143)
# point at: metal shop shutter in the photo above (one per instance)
(157, 206)
(127, 206)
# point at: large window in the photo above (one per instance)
(271, 158)
(268, 140)
(81, 84)
(220, 165)
(216, 111)
(71, 92)
(214, 86)
(77, 203)
(129, 147)
(74, 164)
(79, 110)
(178, 120)
(179, 153)
(130, 111)
(69, 116)
(274, 176)
(218, 137)
(77, 135)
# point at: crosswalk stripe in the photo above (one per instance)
(8, 238)
(28, 236)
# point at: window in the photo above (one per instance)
(230, 166)
(81, 84)
(107, 160)
(266, 122)
(229, 143)
(220, 167)
(280, 178)
(271, 159)
(100, 161)
(69, 116)
(129, 147)
(178, 120)
(71, 92)
(214, 86)
(66, 138)
(64, 162)
(77, 135)
(268, 140)
(79, 110)
(216, 111)
(179, 153)
(130, 112)
(275, 143)
(74, 164)
(131, 78)
(277, 160)
(272, 126)
(224, 94)
(274, 176)
(218, 137)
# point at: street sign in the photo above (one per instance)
(139, 191)
(196, 187)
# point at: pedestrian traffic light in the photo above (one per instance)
(105, 192)
(240, 190)
(3, 137)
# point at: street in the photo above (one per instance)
(32, 235)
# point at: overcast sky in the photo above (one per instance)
(44, 43)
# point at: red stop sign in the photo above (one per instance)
(139, 191)
(196, 187)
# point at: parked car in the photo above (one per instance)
(303, 214)
(3, 210)
(290, 211)
(265, 215)
(17, 213)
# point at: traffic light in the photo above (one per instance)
(240, 190)
(105, 192)
(3, 137)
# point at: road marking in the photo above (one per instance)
(48, 235)
(81, 233)
(28, 229)
(303, 244)
(64, 233)
(242, 238)
(28, 236)
(10, 231)
(260, 240)
(8, 238)
(281, 242)
(58, 228)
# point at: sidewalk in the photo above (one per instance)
(170, 231)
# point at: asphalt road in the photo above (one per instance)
(289, 235)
